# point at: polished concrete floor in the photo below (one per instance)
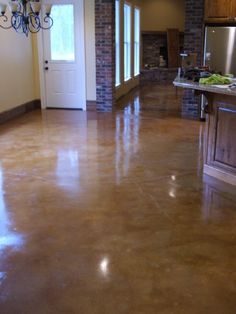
(110, 213)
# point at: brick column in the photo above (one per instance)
(193, 42)
(105, 54)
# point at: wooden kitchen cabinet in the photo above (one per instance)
(220, 134)
(225, 144)
(221, 144)
(217, 9)
(220, 11)
(173, 48)
(233, 8)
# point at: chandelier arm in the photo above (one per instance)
(32, 31)
(4, 20)
(22, 8)
(25, 28)
(48, 20)
(17, 22)
(34, 23)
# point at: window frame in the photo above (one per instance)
(117, 43)
(127, 41)
(136, 42)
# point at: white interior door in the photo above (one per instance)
(64, 56)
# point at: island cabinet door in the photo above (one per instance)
(218, 9)
(222, 137)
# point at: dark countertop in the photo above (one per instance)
(159, 69)
(180, 82)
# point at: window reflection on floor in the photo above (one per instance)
(7, 237)
(67, 168)
(127, 138)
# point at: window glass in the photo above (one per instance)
(127, 42)
(62, 33)
(136, 41)
(117, 42)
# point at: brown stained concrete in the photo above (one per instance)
(110, 213)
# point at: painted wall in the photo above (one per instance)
(158, 15)
(16, 75)
(90, 49)
(36, 65)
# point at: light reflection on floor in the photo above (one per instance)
(67, 168)
(7, 237)
(127, 138)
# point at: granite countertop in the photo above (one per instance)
(217, 89)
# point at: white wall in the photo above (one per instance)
(16, 75)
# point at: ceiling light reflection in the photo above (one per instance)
(104, 266)
(172, 193)
(173, 178)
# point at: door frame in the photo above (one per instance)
(40, 43)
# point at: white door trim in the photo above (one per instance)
(41, 69)
(41, 58)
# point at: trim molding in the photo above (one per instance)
(220, 174)
(19, 110)
(91, 105)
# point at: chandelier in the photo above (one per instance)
(24, 16)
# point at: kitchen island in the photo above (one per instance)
(220, 137)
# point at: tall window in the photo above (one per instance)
(136, 41)
(127, 42)
(117, 42)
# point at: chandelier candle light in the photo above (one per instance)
(24, 16)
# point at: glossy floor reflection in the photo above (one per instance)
(109, 213)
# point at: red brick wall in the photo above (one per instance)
(194, 27)
(105, 54)
(151, 44)
(193, 42)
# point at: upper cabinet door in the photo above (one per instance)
(218, 9)
(233, 9)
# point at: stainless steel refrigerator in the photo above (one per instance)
(219, 52)
(220, 49)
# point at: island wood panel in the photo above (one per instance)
(220, 145)
(225, 148)
(218, 9)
